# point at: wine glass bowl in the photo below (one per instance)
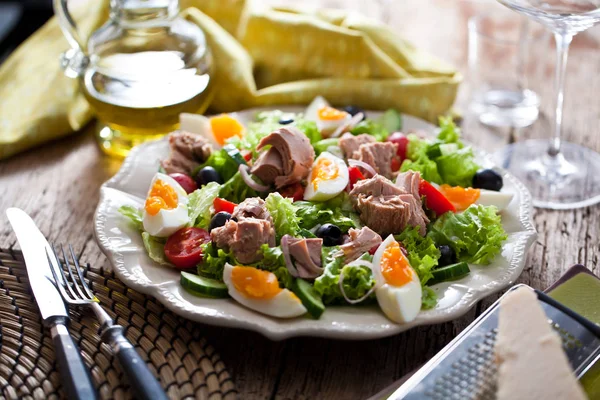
(560, 175)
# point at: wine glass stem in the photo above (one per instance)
(562, 52)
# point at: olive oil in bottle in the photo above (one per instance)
(142, 69)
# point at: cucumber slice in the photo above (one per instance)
(310, 299)
(204, 287)
(391, 120)
(449, 272)
(235, 154)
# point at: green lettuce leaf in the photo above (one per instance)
(222, 162)
(476, 235)
(134, 214)
(236, 190)
(213, 261)
(458, 168)
(358, 279)
(427, 167)
(449, 132)
(337, 211)
(373, 128)
(155, 247)
(423, 255)
(199, 203)
(274, 262)
(428, 298)
(323, 145)
(284, 216)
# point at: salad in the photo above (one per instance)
(299, 211)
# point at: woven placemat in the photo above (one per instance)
(173, 347)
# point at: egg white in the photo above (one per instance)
(326, 127)
(401, 304)
(284, 304)
(167, 222)
(493, 198)
(330, 188)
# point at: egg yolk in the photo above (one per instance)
(395, 267)
(223, 127)
(460, 197)
(161, 197)
(324, 170)
(331, 114)
(254, 283)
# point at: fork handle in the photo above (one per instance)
(141, 380)
(75, 376)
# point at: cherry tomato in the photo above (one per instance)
(295, 191)
(186, 182)
(354, 175)
(373, 250)
(396, 163)
(184, 247)
(247, 155)
(402, 141)
(434, 199)
(223, 205)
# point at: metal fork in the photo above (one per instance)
(76, 292)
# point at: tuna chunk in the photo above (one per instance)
(361, 241)
(387, 208)
(188, 150)
(244, 237)
(378, 155)
(287, 161)
(410, 181)
(350, 143)
(305, 256)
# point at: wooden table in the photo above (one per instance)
(58, 185)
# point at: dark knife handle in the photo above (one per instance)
(143, 383)
(76, 379)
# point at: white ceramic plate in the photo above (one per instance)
(123, 247)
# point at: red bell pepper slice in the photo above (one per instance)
(223, 205)
(434, 199)
(354, 175)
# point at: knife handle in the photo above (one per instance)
(143, 383)
(75, 376)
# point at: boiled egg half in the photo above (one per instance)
(328, 178)
(165, 210)
(215, 129)
(462, 198)
(327, 118)
(398, 289)
(259, 290)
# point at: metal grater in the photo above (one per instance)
(465, 368)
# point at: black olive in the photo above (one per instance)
(207, 175)
(218, 220)
(488, 179)
(353, 110)
(331, 234)
(286, 120)
(447, 257)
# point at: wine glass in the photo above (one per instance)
(560, 175)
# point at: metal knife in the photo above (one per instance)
(76, 378)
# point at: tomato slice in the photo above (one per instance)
(354, 176)
(184, 247)
(223, 205)
(402, 141)
(295, 191)
(434, 199)
(247, 155)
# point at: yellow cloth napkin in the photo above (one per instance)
(263, 56)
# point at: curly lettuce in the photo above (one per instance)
(455, 168)
(476, 235)
(222, 163)
(423, 255)
(284, 216)
(134, 214)
(199, 203)
(358, 279)
(236, 190)
(337, 211)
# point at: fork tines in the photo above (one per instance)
(73, 291)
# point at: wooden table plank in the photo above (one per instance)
(58, 184)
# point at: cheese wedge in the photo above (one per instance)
(531, 362)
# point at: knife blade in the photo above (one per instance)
(34, 246)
